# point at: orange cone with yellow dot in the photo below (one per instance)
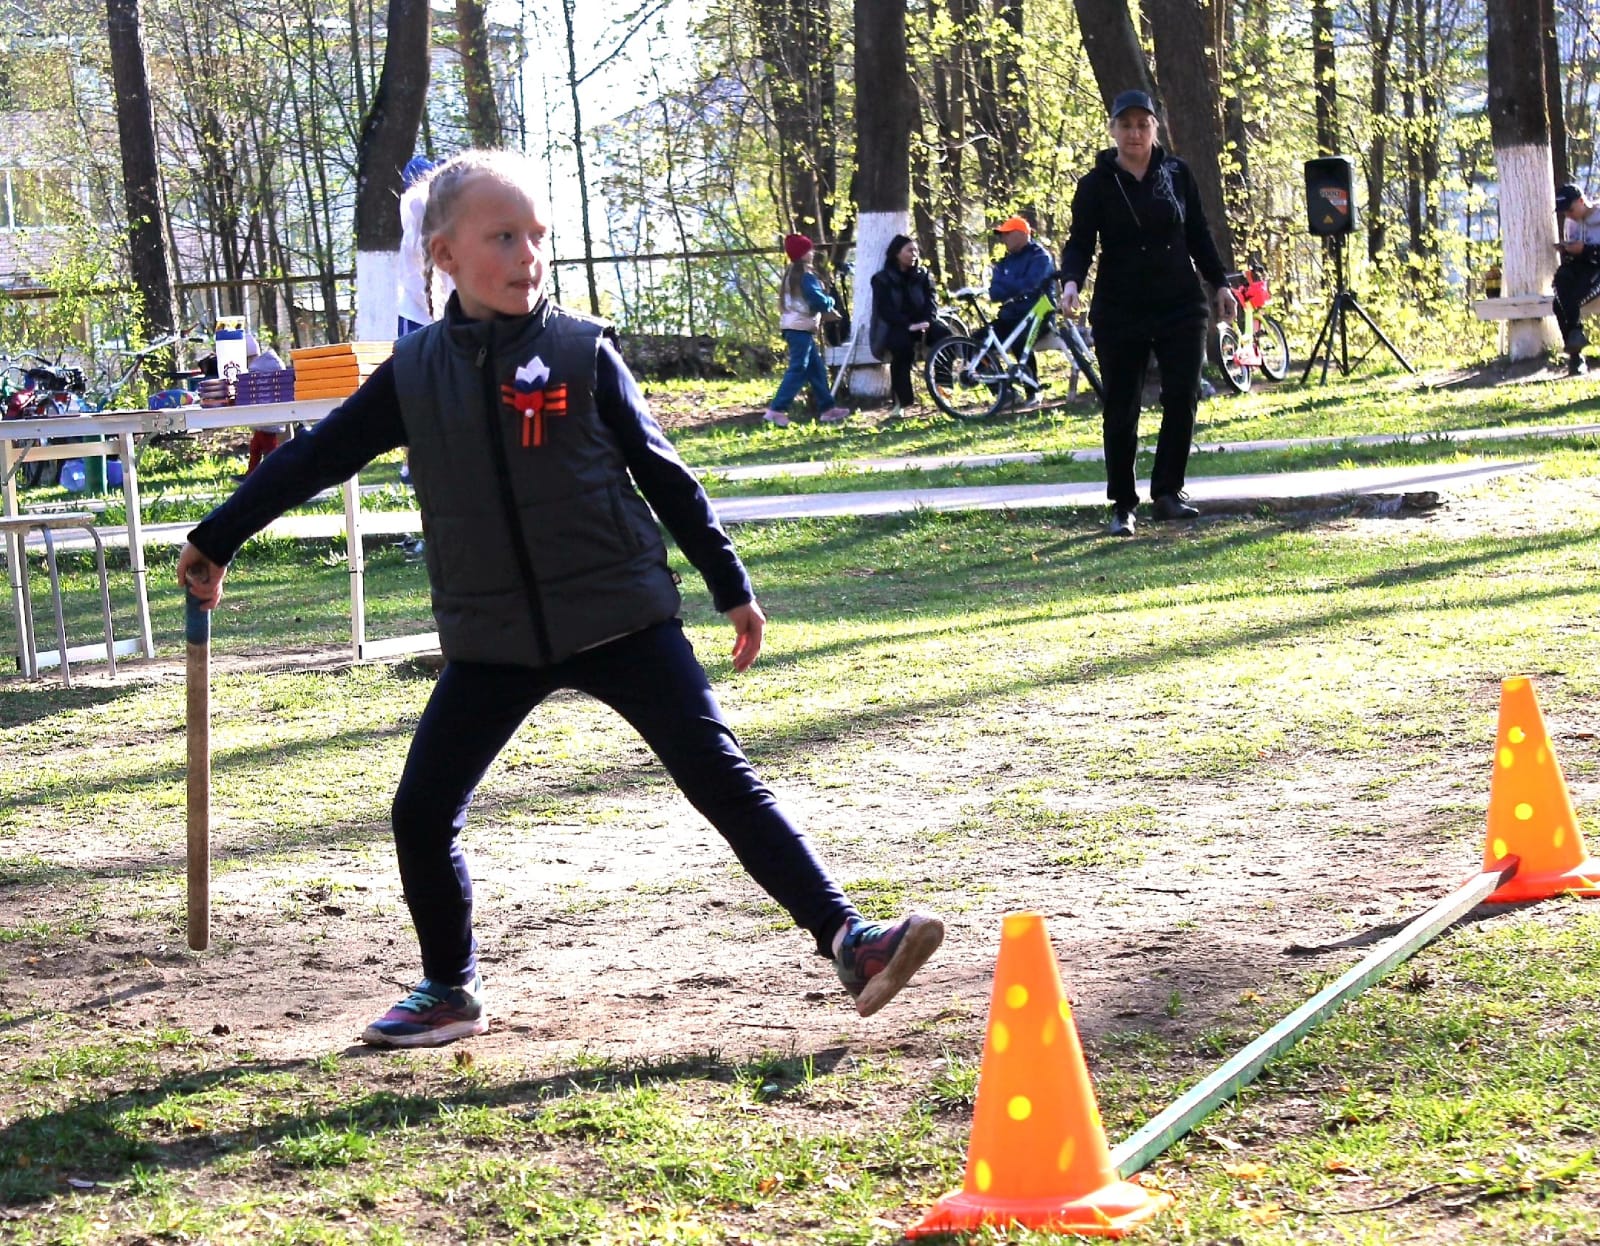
(1038, 1155)
(1530, 814)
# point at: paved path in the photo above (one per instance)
(1217, 493)
(1210, 492)
(819, 467)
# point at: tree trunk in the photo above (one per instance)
(1234, 131)
(313, 177)
(1380, 30)
(1324, 77)
(477, 78)
(141, 172)
(949, 102)
(1112, 46)
(796, 44)
(669, 133)
(1013, 131)
(1415, 66)
(1551, 46)
(567, 7)
(388, 137)
(1520, 129)
(1193, 107)
(883, 164)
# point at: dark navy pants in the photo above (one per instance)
(653, 680)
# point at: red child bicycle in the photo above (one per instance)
(1252, 342)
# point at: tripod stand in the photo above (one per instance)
(1343, 303)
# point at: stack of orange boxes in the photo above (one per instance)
(336, 371)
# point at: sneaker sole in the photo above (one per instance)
(427, 1038)
(921, 941)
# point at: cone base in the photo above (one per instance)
(1582, 879)
(1110, 1211)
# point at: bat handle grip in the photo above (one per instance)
(196, 621)
(197, 634)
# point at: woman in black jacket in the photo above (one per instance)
(902, 315)
(1143, 208)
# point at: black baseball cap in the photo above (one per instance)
(1132, 99)
(1566, 196)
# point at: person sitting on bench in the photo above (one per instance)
(1578, 279)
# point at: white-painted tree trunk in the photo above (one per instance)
(1527, 239)
(874, 231)
(377, 276)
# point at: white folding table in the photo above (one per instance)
(118, 429)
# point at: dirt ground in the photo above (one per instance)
(638, 939)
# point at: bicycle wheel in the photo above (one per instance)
(952, 322)
(1273, 343)
(967, 380)
(1236, 374)
(1084, 360)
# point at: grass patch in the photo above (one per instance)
(991, 710)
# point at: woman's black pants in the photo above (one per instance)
(1124, 354)
(903, 357)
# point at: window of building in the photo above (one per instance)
(35, 198)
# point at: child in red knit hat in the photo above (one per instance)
(803, 303)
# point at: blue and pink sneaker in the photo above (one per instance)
(431, 1016)
(876, 960)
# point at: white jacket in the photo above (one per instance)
(798, 312)
(411, 297)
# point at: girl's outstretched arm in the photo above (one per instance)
(364, 425)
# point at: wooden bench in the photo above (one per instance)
(1523, 308)
(1518, 307)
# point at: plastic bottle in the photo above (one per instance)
(231, 356)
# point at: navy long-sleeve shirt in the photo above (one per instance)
(368, 424)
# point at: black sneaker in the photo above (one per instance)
(875, 961)
(1576, 366)
(1121, 522)
(1170, 506)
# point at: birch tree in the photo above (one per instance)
(883, 161)
(1520, 128)
(388, 137)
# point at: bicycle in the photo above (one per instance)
(48, 389)
(972, 378)
(950, 318)
(1252, 341)
(101, 398)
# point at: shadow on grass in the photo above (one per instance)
(29, 701)
(99, 1138)
(800, 734)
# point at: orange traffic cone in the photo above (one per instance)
(1038, 1155)
(1530, 814)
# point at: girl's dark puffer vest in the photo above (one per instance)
(537, 543)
